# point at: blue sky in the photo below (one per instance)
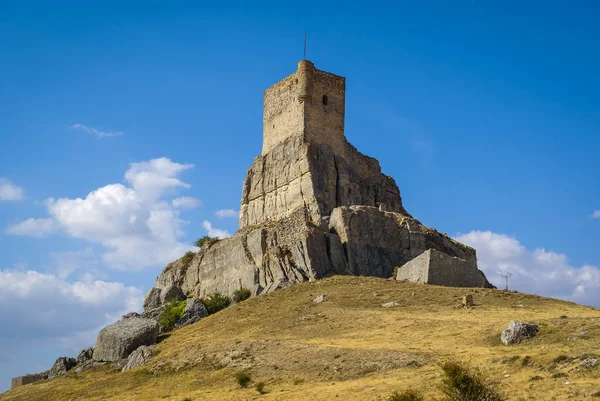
(487, 116)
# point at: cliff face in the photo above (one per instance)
(312, 205)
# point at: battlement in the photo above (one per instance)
(309, 104)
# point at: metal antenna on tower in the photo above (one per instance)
(506, 277)
(304, 45)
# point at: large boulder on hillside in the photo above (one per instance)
(194, 311)
(140, 356)
(27, 379)
(61, 367)
(152, 299)
(171, 292)
(85, 355)
(117, 341)
(518, 332)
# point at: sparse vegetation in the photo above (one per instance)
(172, 311)
(260, 387)
(462, 384)
(188, 257)
(395, 272)
(216, 302)
(243, 379)
(241, 295)
(206, 240)
(407, 395)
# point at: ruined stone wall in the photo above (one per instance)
(283, 113)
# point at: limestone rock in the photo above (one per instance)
(467, 301)
(518, 332)
(439, 268)
(118, 340)
(140, 356)
(319, 299)
(85, 355)
(153, 314)
(89, 365)
(171, 292)
(193, 311)
(27, 379)
(130, 315)
(61, 367)
(152, 299)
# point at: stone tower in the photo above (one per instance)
(312, 205)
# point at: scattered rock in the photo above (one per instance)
(139, 357)
(390, 304)
(27, 379)
(89, 365)
(590, 362)
(194, 311)
(518, 332)
(171, 292)
(85, 355)
(467, 301)
(120, 339)
(152, 299)
(319, 299)
(61, 367)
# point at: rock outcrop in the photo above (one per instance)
(140, 356)
(312, 206)
(27, 379)
(518, 332)
(119, 340)
(61, 367)
(193, 311)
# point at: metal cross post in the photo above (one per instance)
(304, 45)
(506, 277)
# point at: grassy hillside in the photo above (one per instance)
(351, 348)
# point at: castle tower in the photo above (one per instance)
(308, 104)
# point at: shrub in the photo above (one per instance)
(216, 302)
(461, 384)
(407, 395)
(394, 275)
(188, 257)
(206, 240)
(241, 295)
(260, 387)
(243, 379)
(172, 311)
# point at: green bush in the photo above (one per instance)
(243, 379)
(260, 387)
(395, 272)
(188, 257)
(206, 240)
(216, 302)
(461, 384)
(241, 295)
(408, 395)
(172, 311)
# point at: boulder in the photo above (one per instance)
(140, 356)
(153, 314)
(117, 341)
(518, 332)
(27, 379)
(194, 311)
(467, 301)
(152, 299)
(171, 292)
(89, 365)
(129, 315)
(85, 355)
(319, 299)
(61, 367)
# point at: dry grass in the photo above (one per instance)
(351, 347)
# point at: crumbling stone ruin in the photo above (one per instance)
(312, 205)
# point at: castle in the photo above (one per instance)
(312, 205)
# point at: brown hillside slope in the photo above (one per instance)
(350, 347)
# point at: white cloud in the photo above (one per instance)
(215, 232)
(33, 227)
(186, 202)
(538, 272)
(136, 224)
(96, 132)
(10, 191)
(223, 213)
(43, 307)
(596, 214)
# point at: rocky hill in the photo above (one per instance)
(351, 346)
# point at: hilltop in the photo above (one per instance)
(351, 347)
